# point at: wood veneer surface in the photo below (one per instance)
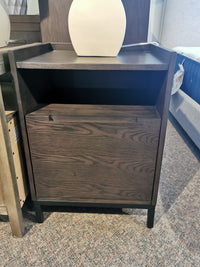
(93, 152)
(66, 59)
(51, 126)
(25, 29)
(115, 111)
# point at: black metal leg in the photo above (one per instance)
(150, 217)
(38, 212)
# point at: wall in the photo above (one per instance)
(181, 23)
(156, 20)
(33, 8)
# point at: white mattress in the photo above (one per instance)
(191, 52)
(184, 108)
(187, 112)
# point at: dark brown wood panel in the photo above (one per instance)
(25, 99)
(163, 108)
(130, 113)
(54, 20)
(24, 19)
(137, 14)
(93, 202)
(25, 28)
(111, 159)
(67, 59)
(28, 51)
(25, 37)
(162, 53)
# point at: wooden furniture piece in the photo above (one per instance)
(93, 128)
(25, 29)
(16, 147)
(9, 195)
(13, 190)
(13, 183)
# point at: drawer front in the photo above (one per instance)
(93, 161)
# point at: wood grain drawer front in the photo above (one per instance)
(83, 158)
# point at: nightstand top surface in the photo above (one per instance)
(128, 59)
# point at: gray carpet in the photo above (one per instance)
(105, 237)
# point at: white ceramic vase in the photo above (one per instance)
(4, 27)
(97, 27)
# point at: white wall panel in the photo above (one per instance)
(33, 8)
(181, 23)
(156, 20)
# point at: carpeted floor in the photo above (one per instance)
(107, 237)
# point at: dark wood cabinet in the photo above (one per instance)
(93, 128)
(93, 153)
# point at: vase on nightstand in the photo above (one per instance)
(97, 27)
(4, 27)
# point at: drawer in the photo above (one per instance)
(93, 153)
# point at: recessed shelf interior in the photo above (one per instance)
(94, 87)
